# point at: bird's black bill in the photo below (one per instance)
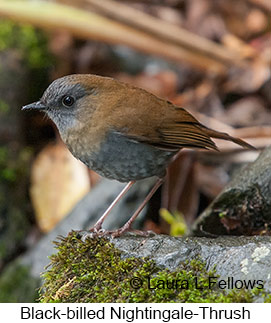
(35, 106)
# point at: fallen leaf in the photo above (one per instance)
(58, 182)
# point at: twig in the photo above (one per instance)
(168, 31)
(89, 25)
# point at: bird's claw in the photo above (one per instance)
(119, 232)
(100, 232)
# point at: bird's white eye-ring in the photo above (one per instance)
(68, 100)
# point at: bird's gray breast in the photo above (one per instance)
(124, 159)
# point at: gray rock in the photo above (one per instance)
(237, 258)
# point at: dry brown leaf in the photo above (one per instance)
(247, 111)
(58, 182)
(163, 83)
(236, 44)
(256, 21)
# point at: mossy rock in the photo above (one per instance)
(94, 270)
(243, 207)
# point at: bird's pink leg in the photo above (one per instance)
(128, 224)
(98, 225)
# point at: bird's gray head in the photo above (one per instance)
(62, 100)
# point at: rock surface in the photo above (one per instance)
(134, 268)
(243, 258)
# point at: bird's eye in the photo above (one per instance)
(68, 101)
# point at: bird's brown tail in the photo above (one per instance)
(222, 135)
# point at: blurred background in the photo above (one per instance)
(211, 57)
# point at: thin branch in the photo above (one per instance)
(168, 31)
(89, 25)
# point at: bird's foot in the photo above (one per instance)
(93, 233)
(98, 231)
(124, 229)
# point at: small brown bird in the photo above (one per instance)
(122, 132)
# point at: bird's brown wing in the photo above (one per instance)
(183, 130)
(146, 118)
(185, 135)
(172, 129)
(179, 129)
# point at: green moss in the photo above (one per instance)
(30, 42)
(13, 163)
(267, 298)
(14, 219)
(243, 212)
(4, 108)
(95, 271)
(17, 285)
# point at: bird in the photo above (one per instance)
(122, 132)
